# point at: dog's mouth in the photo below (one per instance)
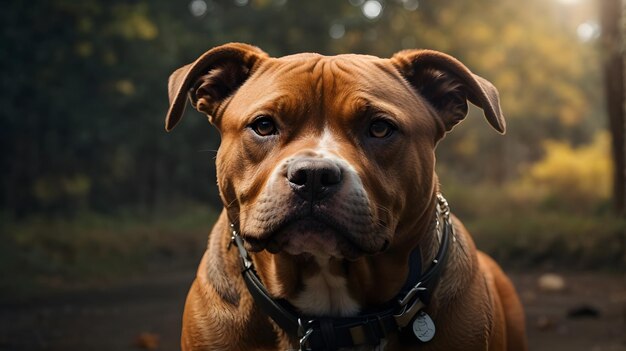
(311, 236)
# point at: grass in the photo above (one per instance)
(553, 240)
(526, 231)
(44, 253)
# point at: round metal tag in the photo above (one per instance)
(423, 327)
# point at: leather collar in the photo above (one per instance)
(368, 327)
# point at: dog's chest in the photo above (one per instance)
(325, 294)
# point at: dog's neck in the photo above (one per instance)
(460, 260)
(335, 287)
(429, 239)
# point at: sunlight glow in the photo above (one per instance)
(372, 9)
(569, 2)
(198, 7)
(588, 31)
(410, 5)
(337, 31)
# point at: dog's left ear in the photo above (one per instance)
(212, 78)
(447, 84)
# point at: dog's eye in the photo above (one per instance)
(381, 129)
(264, 126)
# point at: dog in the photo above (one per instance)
(334, 233)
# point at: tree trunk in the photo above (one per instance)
(613, 44)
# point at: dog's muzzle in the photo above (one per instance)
(315, 205)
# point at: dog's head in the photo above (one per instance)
(328, 155)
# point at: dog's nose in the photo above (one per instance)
(314, 178)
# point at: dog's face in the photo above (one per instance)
(316, 151)
(321, 144)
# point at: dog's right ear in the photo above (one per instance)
(212, 78)
(447, 84)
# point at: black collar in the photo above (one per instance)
(367, 328)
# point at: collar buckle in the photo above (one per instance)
(409, 296)
(304, 335)
(410, 304)
(246, 261)
(408, 312)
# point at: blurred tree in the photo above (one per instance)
(82, 91)
(614, 32)
(84, 87)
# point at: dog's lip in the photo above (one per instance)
(257, 243)
(273, 243)
(268, 240)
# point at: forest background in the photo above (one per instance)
(93, 189)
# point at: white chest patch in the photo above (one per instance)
(326, 294)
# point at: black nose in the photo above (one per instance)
(314, 178)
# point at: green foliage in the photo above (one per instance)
(85, 87)
(536, 238)
(580, 177)
(557, 214)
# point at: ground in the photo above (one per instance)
(146, 314)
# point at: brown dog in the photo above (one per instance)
(326, 171)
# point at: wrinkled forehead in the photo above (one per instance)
(306, 82)
(328, 75)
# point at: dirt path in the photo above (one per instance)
(549, 326)
(110, 319)
(115, 318)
